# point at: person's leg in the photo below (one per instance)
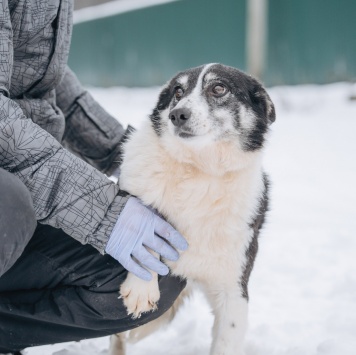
(60, 290)
(17, 219)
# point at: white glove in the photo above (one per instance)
(139, 227)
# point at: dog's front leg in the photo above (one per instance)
(230, 310)
(138, 296)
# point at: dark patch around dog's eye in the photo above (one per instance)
(178, 93)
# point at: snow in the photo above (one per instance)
(113, 8)
(303, 286)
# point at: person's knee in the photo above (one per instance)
(17, 219)
(16, 202)
(170, 288)
(111, 314)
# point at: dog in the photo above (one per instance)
(198, 161)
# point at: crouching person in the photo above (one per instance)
(68, 235)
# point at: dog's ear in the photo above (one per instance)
(262, 103)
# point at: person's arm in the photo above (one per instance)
(91, 133)
(67, 193)
(6, 50)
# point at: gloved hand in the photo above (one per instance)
(139, 227)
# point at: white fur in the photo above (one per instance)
(209, 197)
(183, 80)
(209, 192)
(247, 117)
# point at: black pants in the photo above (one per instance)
(54, 289)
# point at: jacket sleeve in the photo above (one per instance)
(6, 50)
(91, 132)
(67, 192)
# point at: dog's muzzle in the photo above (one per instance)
(179, 116)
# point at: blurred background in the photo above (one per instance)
(143, 42)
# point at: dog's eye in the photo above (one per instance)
(219, 90)
(178, 93)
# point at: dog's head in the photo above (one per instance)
(214, 103)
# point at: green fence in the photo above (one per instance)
(146, 47)
(311, 41)
(308, 41)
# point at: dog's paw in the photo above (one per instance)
(139, 296)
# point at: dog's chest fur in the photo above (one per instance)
(211, 209)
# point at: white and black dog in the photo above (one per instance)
(198, 162)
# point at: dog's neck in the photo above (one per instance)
(215, 159)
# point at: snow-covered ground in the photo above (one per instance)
(303, 286)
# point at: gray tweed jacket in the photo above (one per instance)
(53, 135)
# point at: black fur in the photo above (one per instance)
(256, 226)
(164, 99)
(249, 92)
(122, 142)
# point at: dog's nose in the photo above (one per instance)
(179, 116)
